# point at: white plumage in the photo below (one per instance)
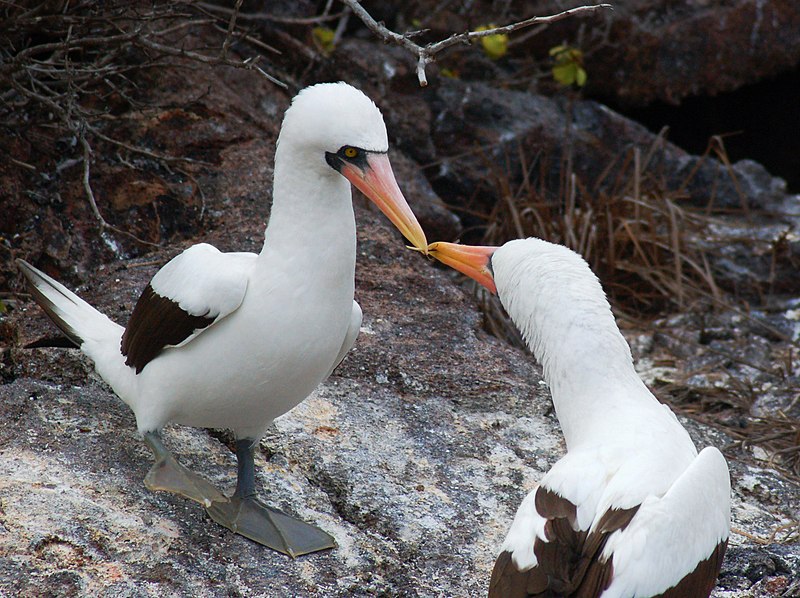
(233, 340)
(631, 503)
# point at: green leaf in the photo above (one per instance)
(323, 36)
(568, 66)
(566, 74)
(494, 46)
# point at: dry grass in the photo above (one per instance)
(633, 231)
(651, 253)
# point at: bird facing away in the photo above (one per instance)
(233, 340)
(632, 510)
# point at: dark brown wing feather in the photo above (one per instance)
(569, 563)
(700, 582)
(155, 323)
(509, 582)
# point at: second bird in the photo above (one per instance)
(632, 510)
(233, 340)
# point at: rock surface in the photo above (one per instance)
(417, 451)
(414, 455)
(659, 50)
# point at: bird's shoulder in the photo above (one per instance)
(192, 291)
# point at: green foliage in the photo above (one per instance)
(323, 37)
(568, 66)
(494, 46)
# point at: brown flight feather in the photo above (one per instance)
(569, 563)
(700, 582)
(156, 322)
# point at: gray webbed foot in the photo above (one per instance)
(169, 475)
(252, 519)
(244, 514)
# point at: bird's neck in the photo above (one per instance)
(585, 360)
(594, 385)
(311, 221)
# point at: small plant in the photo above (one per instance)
(568, 66)
(494, 46)
(324, 39)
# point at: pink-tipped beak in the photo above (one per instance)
(377, 182)
(471, 260)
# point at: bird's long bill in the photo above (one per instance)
(377, 182)
(472, 260)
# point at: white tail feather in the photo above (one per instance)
(94, 332)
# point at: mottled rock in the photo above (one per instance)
(666, 51)
(414, 455)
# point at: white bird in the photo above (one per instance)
(632, 510)
(233, 340)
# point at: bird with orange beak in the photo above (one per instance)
(632, 510)
(233, 340)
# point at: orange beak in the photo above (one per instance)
(472, 260)
(377, 182)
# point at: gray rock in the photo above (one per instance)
(414, 455)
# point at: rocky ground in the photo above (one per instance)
(417, 451)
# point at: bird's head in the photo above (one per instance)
(334, 127)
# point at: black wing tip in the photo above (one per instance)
(156, 322)
(34, 277)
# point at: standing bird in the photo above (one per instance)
(233, 340)
(632, 510)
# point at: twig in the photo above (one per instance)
(143, 151)
(263, 16)
(231, 28)
(772, 539)
(87, 186)
(202, 58)
(427, 54)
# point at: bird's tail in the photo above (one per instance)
(92, 331)
(78, 320)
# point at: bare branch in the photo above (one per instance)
(65, 82)
(231, 28)
(205, 59)
(427, 54)
(87, 187)
(263, 16)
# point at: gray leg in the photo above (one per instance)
(244, 514)
(167, 474)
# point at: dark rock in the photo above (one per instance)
(661, 50)
(481, 133)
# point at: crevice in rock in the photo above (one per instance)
(757, 121)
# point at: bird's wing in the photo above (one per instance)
(190, 293)
(675, 544)
(557, 538)
(546, 553)
(349, 338)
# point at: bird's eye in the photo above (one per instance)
(350, 152)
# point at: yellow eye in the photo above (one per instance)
(350, 152)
